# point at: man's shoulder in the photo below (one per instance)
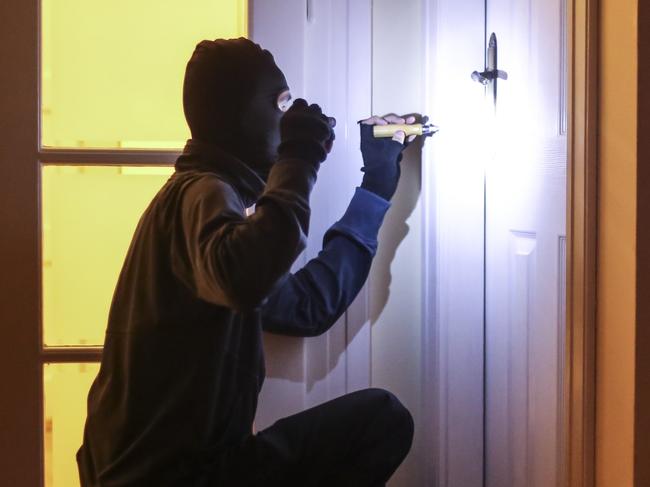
(206, 187)
(197, 180)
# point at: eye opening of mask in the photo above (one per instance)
(284, 100)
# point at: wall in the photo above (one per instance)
(395, 300)
(616, 254)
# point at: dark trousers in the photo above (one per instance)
(356, 440)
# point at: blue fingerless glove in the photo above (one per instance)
(381, 158)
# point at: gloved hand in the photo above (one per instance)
(381, 156)
(306, 133)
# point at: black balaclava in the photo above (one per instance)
(230, 100)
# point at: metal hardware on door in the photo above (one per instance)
(484, 77)
(492, 73)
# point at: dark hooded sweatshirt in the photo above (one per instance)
(183, 362)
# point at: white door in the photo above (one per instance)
(525, 245)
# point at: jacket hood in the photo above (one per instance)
(230, 100)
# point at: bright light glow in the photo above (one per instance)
(112, 71)
(89, 215)
(66, 387)
(529, 152)
(462, 148)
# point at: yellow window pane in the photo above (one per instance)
(112, 71)
(89, 215)
(66, 389)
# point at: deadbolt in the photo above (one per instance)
(491, 73)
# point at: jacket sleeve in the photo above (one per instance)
(233, 260)
(310, 301)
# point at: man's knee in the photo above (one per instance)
(393, 415)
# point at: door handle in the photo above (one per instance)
(484, 77)
(492, 73)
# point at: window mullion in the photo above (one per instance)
(71, 354)
(108, 157)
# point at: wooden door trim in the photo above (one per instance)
(20, 372)
(580, 351)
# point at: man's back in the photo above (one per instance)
(179, 376)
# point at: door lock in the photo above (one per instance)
(484, 77)
(492, 72)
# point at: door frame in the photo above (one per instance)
(21, 422)
(582, 191)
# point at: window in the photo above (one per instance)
(89, 214)
(112, 72)
(111, 126)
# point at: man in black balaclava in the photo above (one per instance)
(175, 398)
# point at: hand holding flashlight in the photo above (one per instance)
(381, 156)
(392, 126)
(410, 129)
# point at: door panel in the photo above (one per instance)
(453, 186)
(525, 238)
(323, 48)
(283, 391)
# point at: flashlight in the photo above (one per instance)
(408, 129)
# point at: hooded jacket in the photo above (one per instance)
(183, 362)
